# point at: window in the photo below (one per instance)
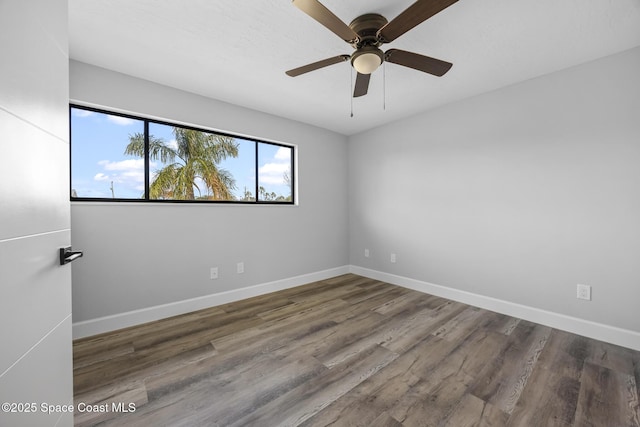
(100, 169)
(118, 157)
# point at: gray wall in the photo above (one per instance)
(517, 194)
(35, 291)
(144, 255)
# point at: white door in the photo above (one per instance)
(35, 291)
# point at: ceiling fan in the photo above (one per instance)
(367, 33)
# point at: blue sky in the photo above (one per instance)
(98, 159)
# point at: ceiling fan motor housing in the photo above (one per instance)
(366, 27)
(367, 56)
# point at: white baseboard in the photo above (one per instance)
(131, 318)
(587, 328)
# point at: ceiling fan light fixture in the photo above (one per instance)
(367, 59)
(367, 33)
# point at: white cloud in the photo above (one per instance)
(173, 144)
(81, 113)
(119, 120)
(283, 153)
(273, 173)
(123, 165)
(128, 173)
(271, 168)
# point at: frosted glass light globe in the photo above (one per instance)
(367, 59)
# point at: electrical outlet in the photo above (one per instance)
(584, 292)
(214, 273)
(393, 258)
(240, 267)
(366, 253)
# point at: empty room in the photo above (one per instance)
(320, 213)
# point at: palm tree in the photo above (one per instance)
(194, 160)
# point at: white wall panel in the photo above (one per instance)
(35, 292)
(518, 194)
(34, 72)
(35, 190)
(41, 376)
(35, 306)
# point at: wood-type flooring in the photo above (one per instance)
(351, 351)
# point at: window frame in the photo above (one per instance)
(147, 175)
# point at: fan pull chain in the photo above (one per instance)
(384, 86)
(350, 89)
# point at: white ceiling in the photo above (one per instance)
(238, 51)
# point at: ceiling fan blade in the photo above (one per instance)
(320, 13)
(362, 85)
(418, 62)
(317, 65)
(414, 15)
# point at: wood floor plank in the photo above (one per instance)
(385, 420)
(474, 412)
(636, 369)
(457, 327)
(258, 303)
(124, 337)
(353, 351)
(106, 354)
(228, 395)
(607, 398)
(428, 319)
(123, 370)
(411, 300)
(509, 325)
(394, 305)
(422, 408)
(502, 381)
(611, 356)
(562, 355)
(327, 293)
(134, 393)
(303, 402)
(184, 400)
(276, 333)
(551, 397)
(220, 366)
(464, 363)
(370, 290)
(294, 309)
(237, 360)
(381, 392)
(381, 334)
(406, 377)
(370, 299)
(342, 335)
(148, 356)
(433, 400)
(212, 326)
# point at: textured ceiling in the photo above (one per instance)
(238, 51)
